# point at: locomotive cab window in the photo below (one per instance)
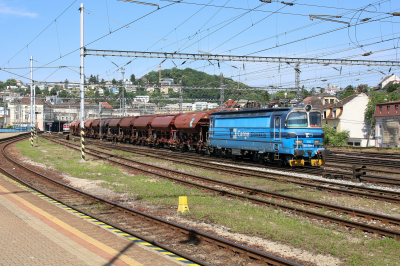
(315, 119)
(297, 120)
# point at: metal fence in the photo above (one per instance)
(15, 129)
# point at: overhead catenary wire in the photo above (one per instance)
(40, 33)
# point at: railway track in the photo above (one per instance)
(328, 186)
(258, 195)
(369, 178)
(358, 159)
(150, 228)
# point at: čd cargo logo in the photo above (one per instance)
(234, 134)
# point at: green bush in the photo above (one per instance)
(332, 137)
(10, 126)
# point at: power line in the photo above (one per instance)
(40, 32)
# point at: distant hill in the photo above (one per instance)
(192, 77)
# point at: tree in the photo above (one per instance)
(37, 90)
(10, 82)
(321, 90)
(114, 82)
(281, 95)
(332, 137)
(133, 78)
(362, 88)
(349, 90)
(304, 93)
(63, 94)
(54, 90)
(93, 79)
(66, 84)
(392, 87)
(313, 91)
(266, 97)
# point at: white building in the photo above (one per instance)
(198, 106)
(142, 98)
(386, 82)
(100, 90)
(150, 89)
(348, 115)
(131, 89)
(211, 106)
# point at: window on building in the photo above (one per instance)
(324, 115)
(357, 143)
(380, 109)
(388, 108)
(334, 113)
(397, 108)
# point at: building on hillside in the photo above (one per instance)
(386, 82)
(387, 117)
(126, 82)
(321, 100)
(114, 90)
(100, 90)
(142, 98)
(53, 99)
(131, 88)
(348, 114)
(150, 89)
(12, 87)
(164, 90)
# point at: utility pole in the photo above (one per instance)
(31, 116)
(122, 70)
(82, 81)
(297, 83)
(180, 97)
(221, 96)
(100, 110)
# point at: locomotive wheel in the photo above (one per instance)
(234, 157)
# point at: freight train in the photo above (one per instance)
(286, 135)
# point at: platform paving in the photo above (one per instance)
(34, 231)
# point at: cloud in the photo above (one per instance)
(15, 11)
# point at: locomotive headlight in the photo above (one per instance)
(298, 142)
(316, 141)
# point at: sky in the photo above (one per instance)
(50, 32)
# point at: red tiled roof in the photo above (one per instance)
(106, 105)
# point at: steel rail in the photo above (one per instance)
(377, 194)
(301, 212)
(249, 252)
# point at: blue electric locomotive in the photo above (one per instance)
(285, 135)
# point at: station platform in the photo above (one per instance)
(36, 231)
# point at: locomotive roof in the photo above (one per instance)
(254, 110)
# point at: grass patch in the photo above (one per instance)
(241, 217)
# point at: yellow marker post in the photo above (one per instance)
(183, 205)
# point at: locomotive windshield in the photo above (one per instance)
(315, 119)
(297, 120)
(300, 119)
